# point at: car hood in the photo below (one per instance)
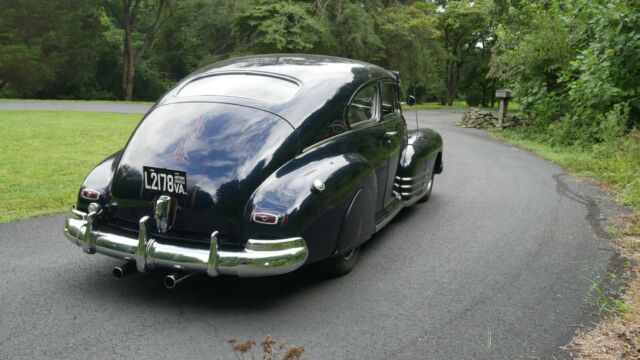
(226, 152)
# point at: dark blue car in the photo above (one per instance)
(256, 166)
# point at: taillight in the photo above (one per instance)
(90, 194)
(265, 218)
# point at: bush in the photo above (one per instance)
(474, 97)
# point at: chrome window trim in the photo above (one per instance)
(376, 109)
(176, 93)
(396, 101)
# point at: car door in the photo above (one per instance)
(368, 137)
(395, 133)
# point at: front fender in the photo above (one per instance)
(421, 153)
(314, 214)
(421, 158)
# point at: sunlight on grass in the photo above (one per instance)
(45, 155)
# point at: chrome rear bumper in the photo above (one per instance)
(259, 258)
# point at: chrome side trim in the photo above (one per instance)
(411, 193)
(409, 186)
(259, 258)
(413, 178)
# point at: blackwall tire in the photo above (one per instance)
(339, 265)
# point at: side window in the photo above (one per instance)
(364, 106)
(388, 99)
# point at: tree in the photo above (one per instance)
(463, 25)
(279, 26)
(352, 25)
(42, 58)
(409, 35)
(573, 66)
(134, 17)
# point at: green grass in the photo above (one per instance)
(458, 105)
(100, 101)
(45, 155)
(616, 165)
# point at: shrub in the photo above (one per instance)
(473, 97)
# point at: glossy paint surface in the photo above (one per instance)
(226, 152)
(244, 156)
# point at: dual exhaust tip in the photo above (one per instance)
(169, 281)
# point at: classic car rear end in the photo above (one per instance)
(156, 215)
(255, 167)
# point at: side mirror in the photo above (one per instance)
(411, 100)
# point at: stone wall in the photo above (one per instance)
(479, 119)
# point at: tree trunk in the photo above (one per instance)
(128, 81)
(128, 58)
(130, 55)
(453, 81)
(129, 67)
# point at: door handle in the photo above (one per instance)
(390, 133)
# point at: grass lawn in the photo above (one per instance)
(45, 155)
(459, 104)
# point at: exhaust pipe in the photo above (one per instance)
(171, 281)
(125, 269)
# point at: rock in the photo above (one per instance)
(476, 118)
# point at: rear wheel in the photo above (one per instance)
(340, 264)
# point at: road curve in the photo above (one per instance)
(90, 106)
(496, 265)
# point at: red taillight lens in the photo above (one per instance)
(265, 218)
(90, 194)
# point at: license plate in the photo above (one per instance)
(165, 181)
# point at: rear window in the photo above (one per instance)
(249, 86)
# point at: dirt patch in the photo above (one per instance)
(617, 336)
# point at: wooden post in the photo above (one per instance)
(504, 95)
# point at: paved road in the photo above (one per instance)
(496, 265)
(97, 106)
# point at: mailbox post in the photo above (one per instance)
(504, 95)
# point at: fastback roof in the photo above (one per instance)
(324, 80)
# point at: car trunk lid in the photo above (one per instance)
(225, 151)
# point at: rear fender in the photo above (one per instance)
(304, 210)
(99, 179)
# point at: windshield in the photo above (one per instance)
(250, 86)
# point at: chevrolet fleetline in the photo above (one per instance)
(257, 166)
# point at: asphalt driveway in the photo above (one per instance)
(497, 264)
